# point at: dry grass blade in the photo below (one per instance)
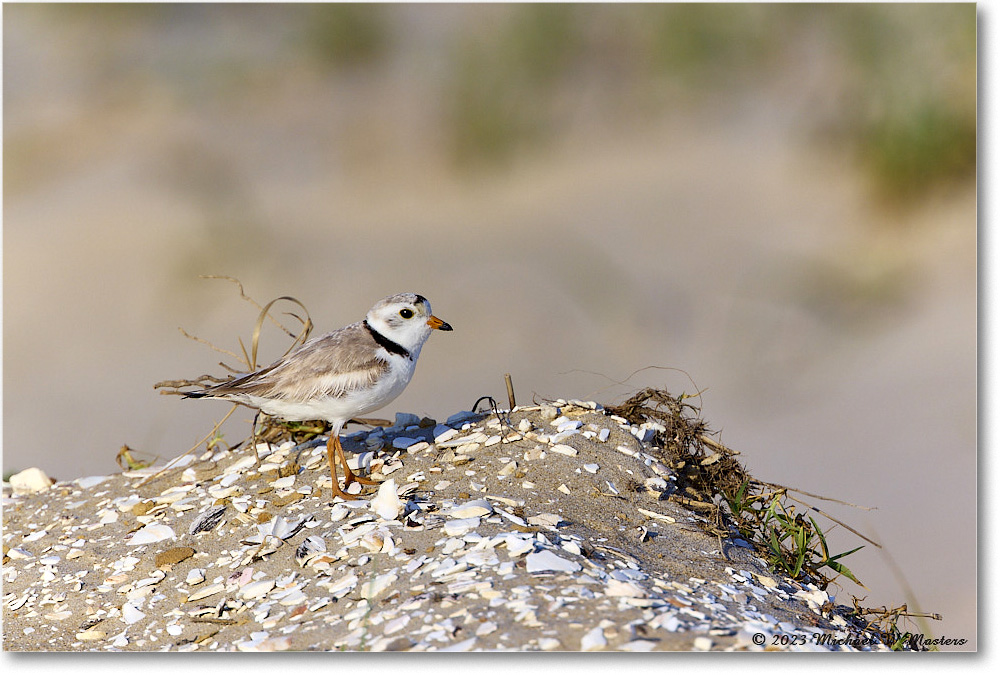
(777, 486)
(306, 322)
(715, 444)
(173, 387)
(207, 343)
(835, 520)
(239, 285)
(207, 436)
(621, 383)
(300, 338)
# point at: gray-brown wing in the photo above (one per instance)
(333, 364)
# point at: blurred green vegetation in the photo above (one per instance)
(904, 79)
(501, 92)
(712, 44)
(915, 148)
(348, 34)
(912, 108)
(893, 84)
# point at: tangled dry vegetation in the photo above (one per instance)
(712, 482)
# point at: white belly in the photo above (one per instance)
(339, 409)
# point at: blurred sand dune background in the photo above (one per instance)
(775, 204)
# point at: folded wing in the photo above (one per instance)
(334, 364)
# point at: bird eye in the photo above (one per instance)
(406, 313)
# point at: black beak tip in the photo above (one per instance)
(445, 326)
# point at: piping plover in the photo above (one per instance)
(335, 377)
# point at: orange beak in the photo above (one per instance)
(437, 323)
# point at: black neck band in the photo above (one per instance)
(386, 343)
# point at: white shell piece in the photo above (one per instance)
(131, 614)
(547, 561)
(460, 526)
(90, 481)
(30, 481)
(593, 640)
(150, 534)
(343, 586)
(205, 592)
(281, 483)
(472, 509)
(386, 503)
(256, 589)
(339, 511)
(444, 433)
(624, 589)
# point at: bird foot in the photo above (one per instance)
(351, 477)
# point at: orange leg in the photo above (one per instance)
(333, 447)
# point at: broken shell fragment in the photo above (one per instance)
(207, 520)
(386, 503)
(310, 547)
(150, 534)
(475, 508)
